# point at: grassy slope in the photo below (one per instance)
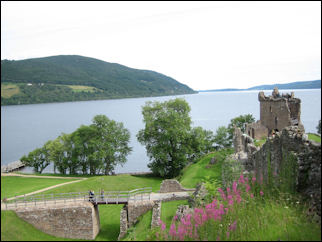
(196, 172)
(14, 185)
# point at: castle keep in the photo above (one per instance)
(276, 112)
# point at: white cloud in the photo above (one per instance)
(206, 45)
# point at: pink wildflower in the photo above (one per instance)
(241, 179)
(235, 187)
(247, 188)
(231, 202)
(228, 190)
(173, 231)
(261, 193)
(175, 218)
(204, 217)
(163, 226)
(252, 195)
(227, 234)
(253, 180)
(233, 226)
(238, 198)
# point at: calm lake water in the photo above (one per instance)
(26, 127)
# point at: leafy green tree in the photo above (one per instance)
(56, 154)
(319, 127)
(83, 141)
(110, 142)
(240, 122)
(222, 138)
(69, 158)
(201, 142)
(166, 136)
(38, 159)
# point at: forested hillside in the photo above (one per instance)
(72, 78)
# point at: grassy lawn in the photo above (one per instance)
(8, 90)
(314, 137)
(15, 185)
(111, 183)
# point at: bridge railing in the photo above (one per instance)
(108, 197)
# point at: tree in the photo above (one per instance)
(84, 146)
(56, 154)
(166, 136)
(319, 127)
(222, 138)
(110, 143)
(38, 158)
(240, 122)
(201, 142)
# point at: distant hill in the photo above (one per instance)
(74, 78)
(292, 85)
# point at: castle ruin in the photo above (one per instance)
(276, 112)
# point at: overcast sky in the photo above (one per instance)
(206, 45)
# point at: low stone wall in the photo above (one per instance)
(172, 185)
(77, 221)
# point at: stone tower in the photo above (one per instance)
(276, 112)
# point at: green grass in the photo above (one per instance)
(260, 142)
(111, 183)
(194, 173)
(15, 185)
(314, 137)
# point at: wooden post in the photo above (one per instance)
(117, 198)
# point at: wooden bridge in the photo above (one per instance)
(12, 166)
(108, 197)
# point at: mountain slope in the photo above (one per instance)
(110, 80)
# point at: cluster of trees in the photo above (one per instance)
(92, 149)
(171, 143)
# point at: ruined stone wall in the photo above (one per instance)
(123, 222)
(290, 153)
(156, 215)
(78, 221)
(256, 130)
(136, 209)
(172, 185)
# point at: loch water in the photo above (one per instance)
(26, 127)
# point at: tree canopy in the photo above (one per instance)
(96, 148)
(168, 137)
